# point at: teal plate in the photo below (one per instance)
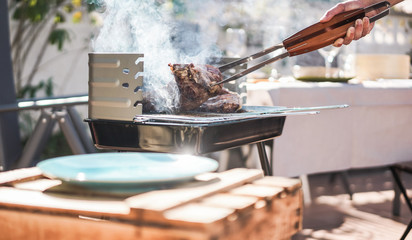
(126, 169)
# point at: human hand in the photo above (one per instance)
(362, 26)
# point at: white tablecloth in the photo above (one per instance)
(375, 130)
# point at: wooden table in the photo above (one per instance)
(236, 204)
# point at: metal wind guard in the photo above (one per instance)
(115, 85)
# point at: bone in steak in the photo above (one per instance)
(225, 102)
(194, 84)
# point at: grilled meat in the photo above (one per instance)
(225, 102)
(194, 84)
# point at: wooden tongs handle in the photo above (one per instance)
(322, 34)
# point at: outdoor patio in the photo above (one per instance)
(332, 215)
(334, 122)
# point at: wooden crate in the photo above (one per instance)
(236, 204)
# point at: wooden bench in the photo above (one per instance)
(235, 204)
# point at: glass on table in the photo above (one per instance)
(329, 53)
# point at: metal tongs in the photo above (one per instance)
(314, 37)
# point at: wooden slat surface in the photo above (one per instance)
(236, 204)
(22, 225)
(152, 204)
(34, 194)
(198, 213)
(225, 200)
(289, 184)
(262, 192)
(34, 200)
(19, 175)
(40, 185)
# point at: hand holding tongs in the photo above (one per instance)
(314, 37)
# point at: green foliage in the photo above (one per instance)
(33, 10)
(37, 10)
(58, 37)
(59, 18)
(30, 91)
(32, 19)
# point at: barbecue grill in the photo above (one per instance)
(117, 122)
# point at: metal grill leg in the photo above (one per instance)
(398, 182)
(223, 161)
(267, 168)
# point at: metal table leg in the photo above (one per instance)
(38, 139)
(402, 188)
(396, 206)
(69, 131)
(267, 168)
(81, 130)
(408, 229)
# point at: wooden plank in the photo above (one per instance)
(23, 174)
(261, 192)
(256, 221)
(249, 212)
(33, 200)
(173, 233)
(194, 213)
(152, 204)
(282, 212)
(289, 213)
(23, 225)
(40, 185)
(225, 200)
(262, 218)
(195, 216)
(226, 208)
(289, 184)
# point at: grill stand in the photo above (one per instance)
(266, 166)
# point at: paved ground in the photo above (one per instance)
(332, 215)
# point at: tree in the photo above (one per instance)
(31, 18)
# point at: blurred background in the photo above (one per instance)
(50, 45)
(50, 40)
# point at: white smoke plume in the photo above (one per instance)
(146, 26)
(186, 31)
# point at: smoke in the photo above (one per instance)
(276, 20)
(192, 31)
(149, 27)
